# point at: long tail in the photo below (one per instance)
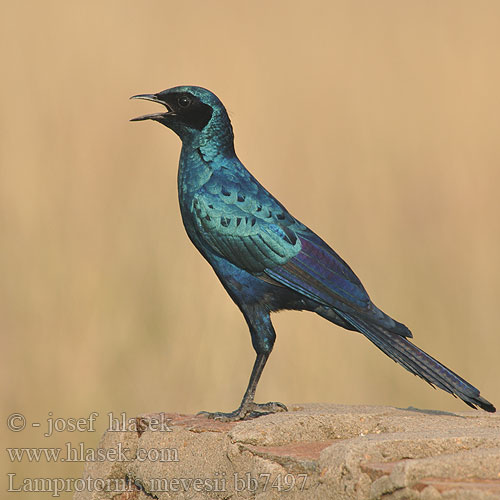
(419, 363)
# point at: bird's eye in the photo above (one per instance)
(184, 101)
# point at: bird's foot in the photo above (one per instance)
(246, 412)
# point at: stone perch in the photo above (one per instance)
(315, 451)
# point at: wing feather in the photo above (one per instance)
(319, 273)
(255, 232)
(241, 236)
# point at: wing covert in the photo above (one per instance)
(252, 230)
(244, 230)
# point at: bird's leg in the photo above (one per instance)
(248, 409)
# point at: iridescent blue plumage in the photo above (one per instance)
(265, 258)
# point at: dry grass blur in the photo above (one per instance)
(376, 123)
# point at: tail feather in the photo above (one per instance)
(419, 363)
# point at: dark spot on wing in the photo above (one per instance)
(290, 236)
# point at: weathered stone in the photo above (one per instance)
(312, 452)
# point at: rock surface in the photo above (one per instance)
(314, 451)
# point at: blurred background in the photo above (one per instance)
(375, 123)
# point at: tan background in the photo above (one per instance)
(376, 123)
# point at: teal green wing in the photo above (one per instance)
(250, 233)
(252, 230)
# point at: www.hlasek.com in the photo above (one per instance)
(217, 483)
(79, 453)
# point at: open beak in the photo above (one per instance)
(153, 116)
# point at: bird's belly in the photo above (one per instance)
(245, 288)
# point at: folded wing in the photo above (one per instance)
(254, 232)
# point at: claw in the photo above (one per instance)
(245, 412)
(203, 413)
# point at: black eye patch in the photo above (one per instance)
(190, 111)
(197, 116)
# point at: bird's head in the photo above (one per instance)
(193, 113)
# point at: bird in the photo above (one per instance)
(265, 258)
